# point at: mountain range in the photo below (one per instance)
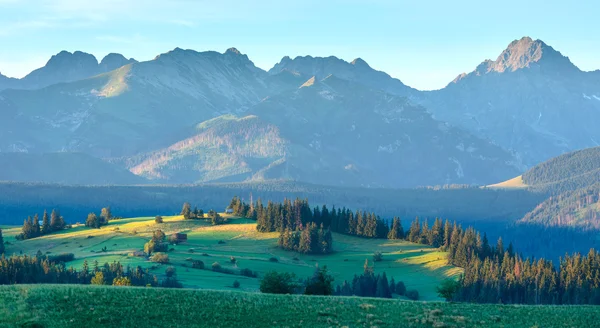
(188, 116)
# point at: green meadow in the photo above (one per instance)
(419, 267)
(106, 306)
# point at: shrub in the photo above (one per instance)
(377, 256)
(98, 279)
(273, 259)
(121, 281)
(448, 288)
(216, 266)
(236, 284)
(197, 264)
(160, 258)
(248, 273)
(232, 260)
(321, 283)
(278, 283)
(221, 242)
(204, 254)
(400, 288)
(412, 294)
(64, 257)
(158, 219)
(173, 239)
(191, 250)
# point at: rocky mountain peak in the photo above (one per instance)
(359, 62)
(113, 61)
(232, 51)
(528, 53)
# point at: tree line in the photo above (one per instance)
(32, 227)
(41, 269)
(295, 215)
(369, 284)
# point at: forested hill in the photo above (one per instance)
(570, 171)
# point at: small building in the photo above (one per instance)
(179, 237)
(229, 210)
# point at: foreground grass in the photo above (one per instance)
(420, 267)
(92, 306)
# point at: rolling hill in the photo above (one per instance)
(421, 267)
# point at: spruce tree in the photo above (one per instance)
(46, 228)
(1, 243)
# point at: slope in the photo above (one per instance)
(420, 267)
(334, 132)
(65, 168)
(137, 108)
(100, 306)
(531, 100)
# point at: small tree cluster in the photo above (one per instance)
(94, 221)
(32, 228)
(189, 214)
(157, 243)
(310, 240)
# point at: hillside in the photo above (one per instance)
(121, 306)
(421, 267)
(63, 168)
(570, 171)
(321, 128)
(572, 185)
(531, 100)
(332, 132)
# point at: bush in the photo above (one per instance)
(232, 260)
(236, 284)
(448, 288)
(320, 283)
(221, 242)
(412, 294)
(278, 283)
(197, 264)
(400, 288)
(158, 219)
(216, 266)
(65, 257)
(248, 273)
(160, 258)
(377, 256)
(122, 281)
(98, 279)
(273, 259)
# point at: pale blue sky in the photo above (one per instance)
(424, 43)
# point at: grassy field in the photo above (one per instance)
(419, 267)
(513, 183)
(104, 306)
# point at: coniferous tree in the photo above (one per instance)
(186, 211)
(396, 232)
(46, 228)
(1, 243)
(37, 230)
